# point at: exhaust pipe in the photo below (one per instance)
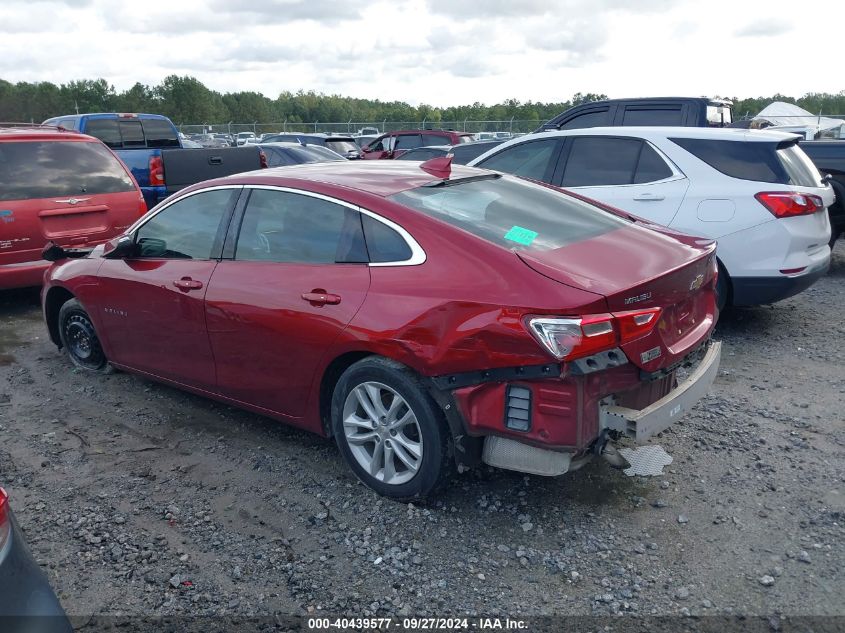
(614, 457)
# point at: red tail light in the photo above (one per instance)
(568, 339)
(5, 525)
(156, 171)
(635, 324)
(262, 157)
(784, 204)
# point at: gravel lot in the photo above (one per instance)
(139, 499)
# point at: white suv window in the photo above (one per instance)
(529, 160)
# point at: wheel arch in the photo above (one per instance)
(55, 298)
(331, 375)
(467, 449)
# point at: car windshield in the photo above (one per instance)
(511, 212)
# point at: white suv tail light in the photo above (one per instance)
(785, 204)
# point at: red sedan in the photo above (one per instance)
(423, 316)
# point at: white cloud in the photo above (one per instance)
(441, 52)
(766, 27)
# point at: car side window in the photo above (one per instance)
(408, 141)
(651, 166)
(383, 243)
(292, 228)
(187, 229)
(529, 160)
(601, 160)
(652, 116)
(434, 139)
(596, 118)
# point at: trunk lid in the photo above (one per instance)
(85, 220)
(69, 189)
(636, 268)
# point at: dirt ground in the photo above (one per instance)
(139, 499)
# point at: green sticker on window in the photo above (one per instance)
(520, 235)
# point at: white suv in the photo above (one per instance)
(753, 191)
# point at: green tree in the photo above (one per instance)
(187, 100)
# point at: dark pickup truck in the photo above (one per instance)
(829, 158)
(150, 146)
(663, 111)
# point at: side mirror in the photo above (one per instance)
(123, 247)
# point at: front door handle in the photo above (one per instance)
(649, 197)
(319, 297)
(186, 283)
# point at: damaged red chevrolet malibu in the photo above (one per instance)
(423, 315)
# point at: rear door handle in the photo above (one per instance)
(649, 197)
(321, 298)
(186, 284)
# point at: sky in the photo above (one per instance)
(439, 52)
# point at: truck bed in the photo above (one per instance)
(184, 167)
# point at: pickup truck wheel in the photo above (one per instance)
(79, 338)
(390, 431)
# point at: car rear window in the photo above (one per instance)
(106, 130)
(159, 133)
(341, 147)
(784, 164)
(133, 132)
(45, 169)
(511, 212)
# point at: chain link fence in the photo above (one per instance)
(819, 127)
(511, 126)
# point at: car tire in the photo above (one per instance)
(723, 288)
(401, 448)
(80, 340)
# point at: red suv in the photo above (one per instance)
(395, 144)
(60, 186)
(422, 317)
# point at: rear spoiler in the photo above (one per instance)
(52, 252)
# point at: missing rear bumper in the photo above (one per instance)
(645, 423)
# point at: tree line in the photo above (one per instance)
(186, 100)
